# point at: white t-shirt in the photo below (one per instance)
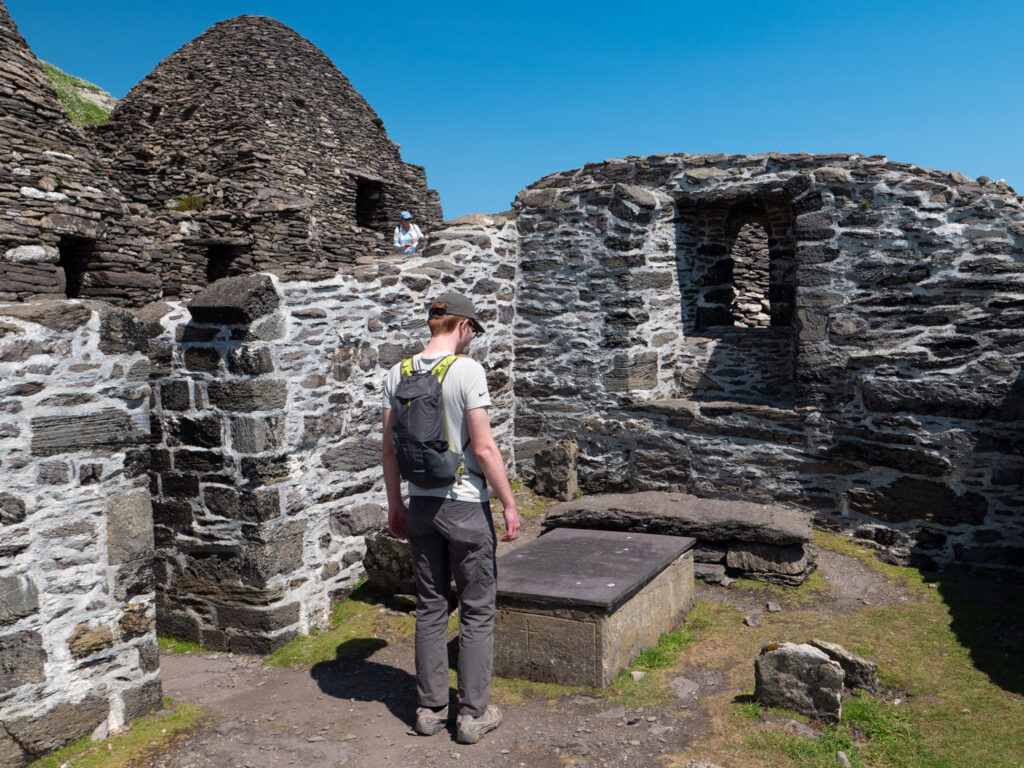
(464, 388)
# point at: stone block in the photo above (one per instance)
(357, 520)
(235, 300)
(53, 473)
(87, 640)
(121, 332)
(174, 513)
(576, 607)
(11, 755)
(41, 734)
(202, 432)
(55, 315)
(129, 526)
(257, 434)
(12, 509)
(352, 455)
(202, 359)
(786, 564)
(21, 660)
(911, 498)
(182, 486)
(631, 373)
(246, 395)
(555, 471)
(191, 460)
(251, 361)
(136, 621)
(18, 598)
(134, 579)
(109, 428)
(257, 619)
(265, 470)
(149, 655)
(800, 678)
(175, 395)
(388, 564)
(141, 699)
(277, 551)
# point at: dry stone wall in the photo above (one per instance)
(884, 388)
(266, 459)
(77, 626)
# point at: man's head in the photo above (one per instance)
(406, 216)
(453, 313)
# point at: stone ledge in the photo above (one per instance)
(680, 514)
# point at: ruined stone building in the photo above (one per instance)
(195, 447)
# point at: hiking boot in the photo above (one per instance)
(471, 729)
(429, 721)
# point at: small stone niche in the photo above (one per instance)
(370, 211)
(222, 260)
(736, 262)
(75, 255)
(575, 606)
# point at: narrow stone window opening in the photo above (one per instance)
(154, 113)
(370, 204)
(223, 261)
(187, 114)
(75, 255)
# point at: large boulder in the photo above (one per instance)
(801, 678)
(681, 514)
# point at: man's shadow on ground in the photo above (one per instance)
(355, 676)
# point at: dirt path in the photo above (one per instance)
(358, 712)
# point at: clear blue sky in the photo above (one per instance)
(490, 97)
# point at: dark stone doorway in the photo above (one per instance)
(75, 255)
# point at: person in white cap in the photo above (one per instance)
(407, 235)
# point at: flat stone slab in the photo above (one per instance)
(681, 514)
(575, 607)
(571, 566)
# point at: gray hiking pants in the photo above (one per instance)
(453, 538)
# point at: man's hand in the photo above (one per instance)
(511, 523)
(396, 521)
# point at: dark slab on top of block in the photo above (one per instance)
(680, 514)
(585, 567)
(235, 300)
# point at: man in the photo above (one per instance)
(450, 528)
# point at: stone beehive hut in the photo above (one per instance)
(64, 229)
(291, 168)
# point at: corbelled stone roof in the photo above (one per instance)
(256, 120)
(55, 189)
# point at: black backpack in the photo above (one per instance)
(420, 436)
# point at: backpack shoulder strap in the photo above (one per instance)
(441, 368)
(407, 367)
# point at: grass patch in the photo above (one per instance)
(78, 109)
(951, 652)
(142, 739)
(173, 645)
(363, 616)
(189, 202)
